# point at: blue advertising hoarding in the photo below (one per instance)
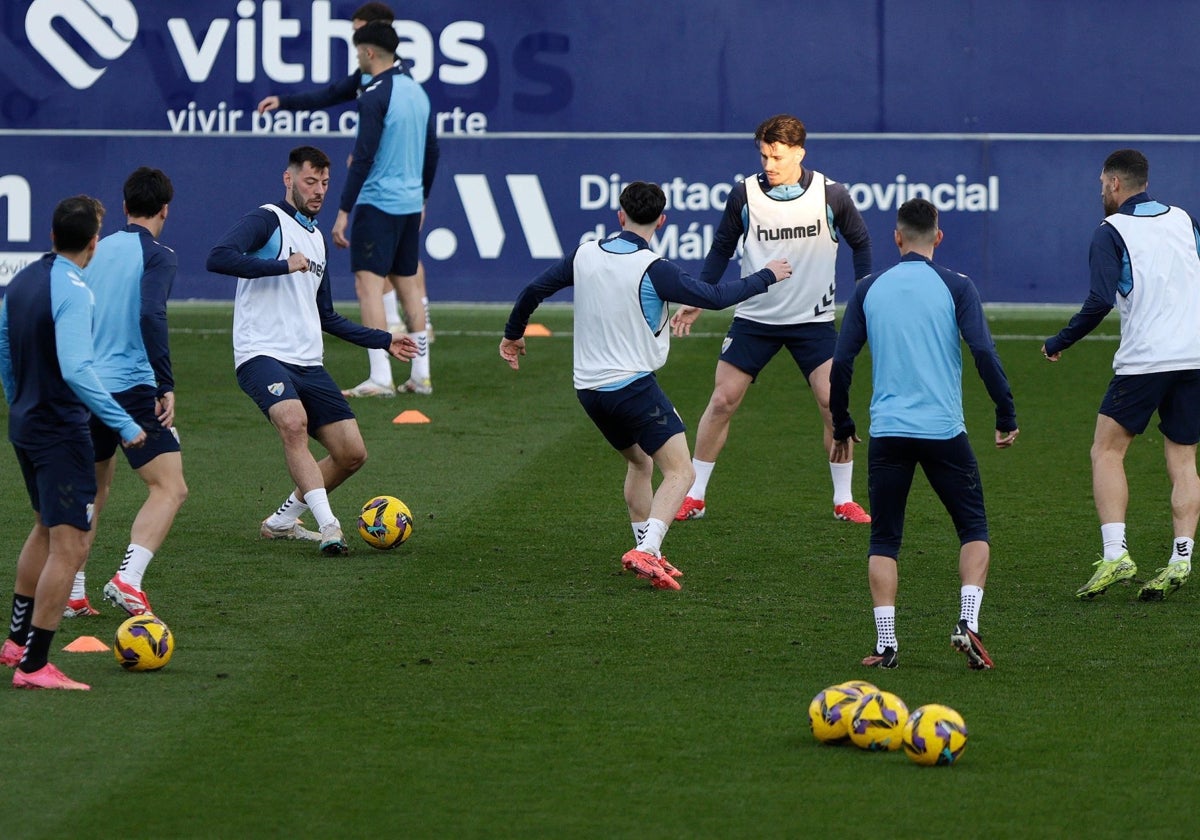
(544, 109)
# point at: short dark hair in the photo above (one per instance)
(310, 155)
(377, 34)
(369, 12)
(642, 202)
(781, 128)
(1130, 164)
(917, 219)
(76, 222)
(147, 191)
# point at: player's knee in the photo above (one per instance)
(724, 402)
(179, 493)
(173, 491)
(352, 459)
(718, 406)
(641, 469)
(1102, 454)
(682, 473)
(292, 427)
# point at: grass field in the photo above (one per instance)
(498, 677)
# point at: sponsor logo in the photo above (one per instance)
(107, 27)
(672, 240)
(483, 218)
(693, 240)
(960, 195)
(258, 39)
(597, 192)
(799, 232)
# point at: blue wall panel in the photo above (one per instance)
(544, 105)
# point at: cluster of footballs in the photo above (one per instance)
(878, 720)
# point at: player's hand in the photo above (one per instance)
(403, 348)
(511, 352)
(1050, 357)
(843, 450)
(682, 320)
(137, 441)
(297, 262)
(164, 409)
(339, 229)
(268, 104)
(782, 269)
(1006, 439)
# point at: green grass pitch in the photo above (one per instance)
(497, 676)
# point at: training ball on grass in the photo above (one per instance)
(143, 643)
(861, 686)
(829, 713)
(935, 735)
(385, 522)
(877, 722)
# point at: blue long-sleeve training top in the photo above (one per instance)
(130, 277)
(46, 357)
(396, 152)
(913, 315)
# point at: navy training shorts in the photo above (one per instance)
(1131, 400)
(384, 244)
(953, 474)
(268, 381)
(61, 481)
(749, 345)
(140, 402)
(637, 413)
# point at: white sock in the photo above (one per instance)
(78, 587)
(1113, 534)
(318, 502)
(133, 567)
(843, 475)
(381, 368)
(288, 512)
(420, 362)
(428, 320)
(1181, 551)
(885, 628)
(639, 531)
(704, 470)
(970, 601)
(391, 309)
(651, 541)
